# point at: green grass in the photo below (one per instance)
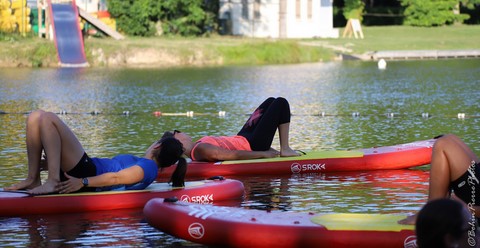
(26, 51)
(227, 50)
(412, 38)
(268, 52)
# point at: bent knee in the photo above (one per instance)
(47, 118)
(446, 138)
(444, 141)
(281, 99)
(35, 116)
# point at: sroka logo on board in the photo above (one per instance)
(196, 230)
(297, 168)
(410, 242)
(197, 199)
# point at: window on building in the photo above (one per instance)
(256, 9)
(310, 9)
(245, 9)
(298, 9)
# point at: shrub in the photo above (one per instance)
(177, 17)
(427, 13)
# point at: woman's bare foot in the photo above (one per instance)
(25, 184)
(288, 153)
(47, 187)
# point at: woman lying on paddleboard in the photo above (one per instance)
(253, 141)
(454, 168)
(70, 169)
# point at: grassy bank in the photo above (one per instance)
(413, 38)
(220, 50)
(216, 50)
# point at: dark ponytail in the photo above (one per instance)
(171, 152)
(178, 176)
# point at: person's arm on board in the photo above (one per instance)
(129, 175)
(208, 152)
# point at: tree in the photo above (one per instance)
(184, 17)
(353, 9)
(470, 3)
(133, 17)
(177, 17)
(429, 13)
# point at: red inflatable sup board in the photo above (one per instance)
(205, 191)
(400, 156)
(239, 227)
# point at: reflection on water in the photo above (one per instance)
(391, 191)
(112, 228)
(392, 106)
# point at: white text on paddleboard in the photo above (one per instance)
(198, 199)
(297, 168)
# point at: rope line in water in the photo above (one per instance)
(224, 114)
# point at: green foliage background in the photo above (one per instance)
(353, 9)
(169, 17)
(199, 17)
(429, 13)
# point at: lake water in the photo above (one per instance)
(424, 97)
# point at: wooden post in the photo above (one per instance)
(353, 27)
(40, 18)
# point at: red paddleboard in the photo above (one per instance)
(239, 227)
(400, 156)
(206, 191)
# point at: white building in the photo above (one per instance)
(278, 18)
(92, 6)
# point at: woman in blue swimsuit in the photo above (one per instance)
(70, 169)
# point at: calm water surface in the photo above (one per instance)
(406, 90)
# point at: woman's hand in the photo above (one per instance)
(71, 185)
(410, 220)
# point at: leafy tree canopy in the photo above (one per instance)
(429, 13)
(176, 17)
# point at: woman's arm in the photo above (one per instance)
(129, 175)
(208, 152)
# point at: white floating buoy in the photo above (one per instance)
(391, 115)
(382, 64)
(189, 113)
(221, 113)
(425, 115)
(355, 114)
(461, 115)
(126, 112)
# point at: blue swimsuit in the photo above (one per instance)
(120, 162)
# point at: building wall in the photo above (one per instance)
(263, 18)
(89, 6)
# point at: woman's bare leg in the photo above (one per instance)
(285, 150)
(62, 148)
(451, 158)
(34, 153)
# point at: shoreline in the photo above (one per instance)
(174, 52)
(151, 58)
